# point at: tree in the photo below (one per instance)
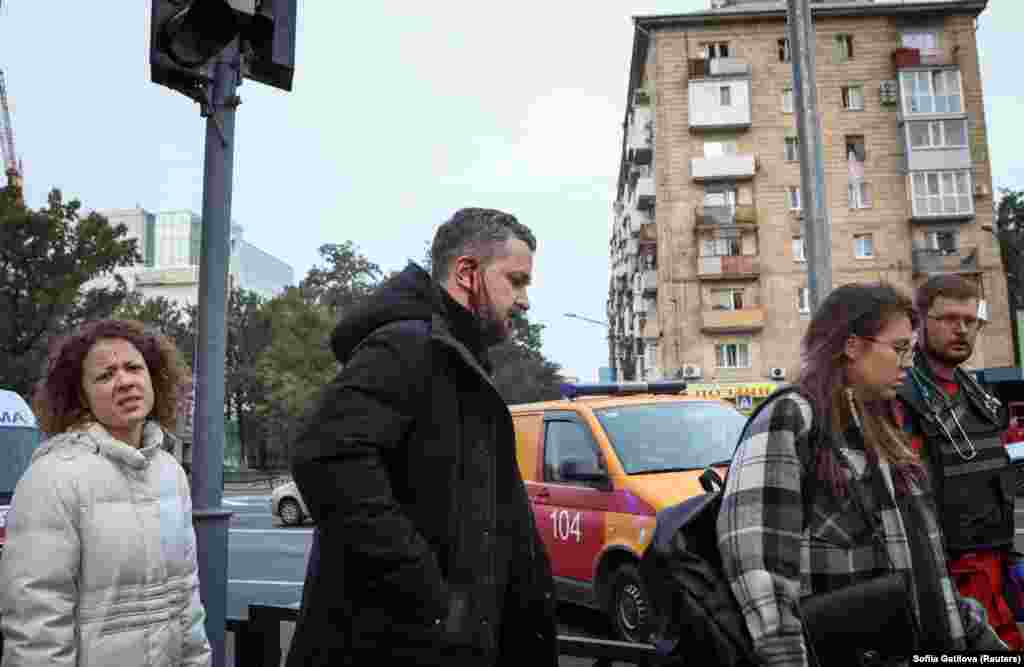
(347, 277)
(293, 368)
(521, 372)
(249, 333)
(175, 321)
(47, 260)
(1010, 232)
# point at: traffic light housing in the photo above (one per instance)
(186, 36)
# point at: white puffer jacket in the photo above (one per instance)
(99, 569)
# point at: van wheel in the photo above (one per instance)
(630, 605)
(291, 513)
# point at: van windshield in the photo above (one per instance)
(667, 437)
(16, 447)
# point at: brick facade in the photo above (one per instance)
(682, 296)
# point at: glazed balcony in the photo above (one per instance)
(733, 321)
(728, 267)
(929, 261)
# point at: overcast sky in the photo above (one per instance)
(401, 113)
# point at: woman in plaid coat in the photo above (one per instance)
(778, 546)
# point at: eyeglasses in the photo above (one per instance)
(954, 322)
(904, 350)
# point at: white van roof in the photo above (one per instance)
(14, 411)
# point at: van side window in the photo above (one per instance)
(564, 441)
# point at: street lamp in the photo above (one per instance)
(611, 339)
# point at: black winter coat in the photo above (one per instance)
(425, 550)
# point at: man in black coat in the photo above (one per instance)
(425, 551)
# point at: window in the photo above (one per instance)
(726, 299)
(799, 253)
(712, 50)
(720, 148)
(787, 100)
(568, 440)
(784, 56)
(853, 98)
(792, 149)
(864, 246)
(938, 133)
(725, 95)
(946, 242)
(720, 248)
(931, 91)
(855, 151)
(925, 41)
(793, 196)
(942, 193)
(803, 299)
(844, 48)
(733, 355)
(859, 194)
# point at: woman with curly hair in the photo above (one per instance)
(99, 567)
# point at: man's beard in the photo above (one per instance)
(950, 357)
(492, 327)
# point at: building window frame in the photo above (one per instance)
(944, 241)
(792, 149)
(864, 246)
(727, 298)
(938, 138)
(799, 249)
(721, 148)
(721, 247)
(732, 355)
(794, 198)
(844, 47)
(803, 300)
(713, 50)
(725, 96)
(785, 53)
(911, 38)
(936, 190)
(853, 97)
(859, 194)
(918, 92)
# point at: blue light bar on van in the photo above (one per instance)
(574, 390)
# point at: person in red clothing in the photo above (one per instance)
(958, 426)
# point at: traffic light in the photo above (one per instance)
(186, 36)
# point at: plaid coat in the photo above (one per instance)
(773, 554)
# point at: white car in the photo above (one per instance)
(287, 505)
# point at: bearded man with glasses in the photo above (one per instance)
(958, 426)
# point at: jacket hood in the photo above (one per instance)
(97, 439)
(409, 295)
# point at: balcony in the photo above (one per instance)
(640, 137)
(720, 104)
(911, 58)
(929, 260)
(734, 167)
(725, 267)
(644, 193)
(649, 282)
(725, 216)
(732, 321)
(700, 68)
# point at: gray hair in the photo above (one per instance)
(477, 232)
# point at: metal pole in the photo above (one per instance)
(211, 520)
(817, 225)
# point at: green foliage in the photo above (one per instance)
(1010, 231)
(347, 277)
(47, 259)
(521, 372)
(293, 368)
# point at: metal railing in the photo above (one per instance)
(258, 642)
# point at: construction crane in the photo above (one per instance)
(12, 165)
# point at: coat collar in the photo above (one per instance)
(441, 331)
(95, 437)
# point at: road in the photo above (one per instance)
(267, 562)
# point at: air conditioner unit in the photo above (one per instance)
(777, 373)
(691, 371)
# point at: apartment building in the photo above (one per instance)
(708, 269)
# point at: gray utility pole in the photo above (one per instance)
(211, 519)
(611, 339)
(817, 222)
